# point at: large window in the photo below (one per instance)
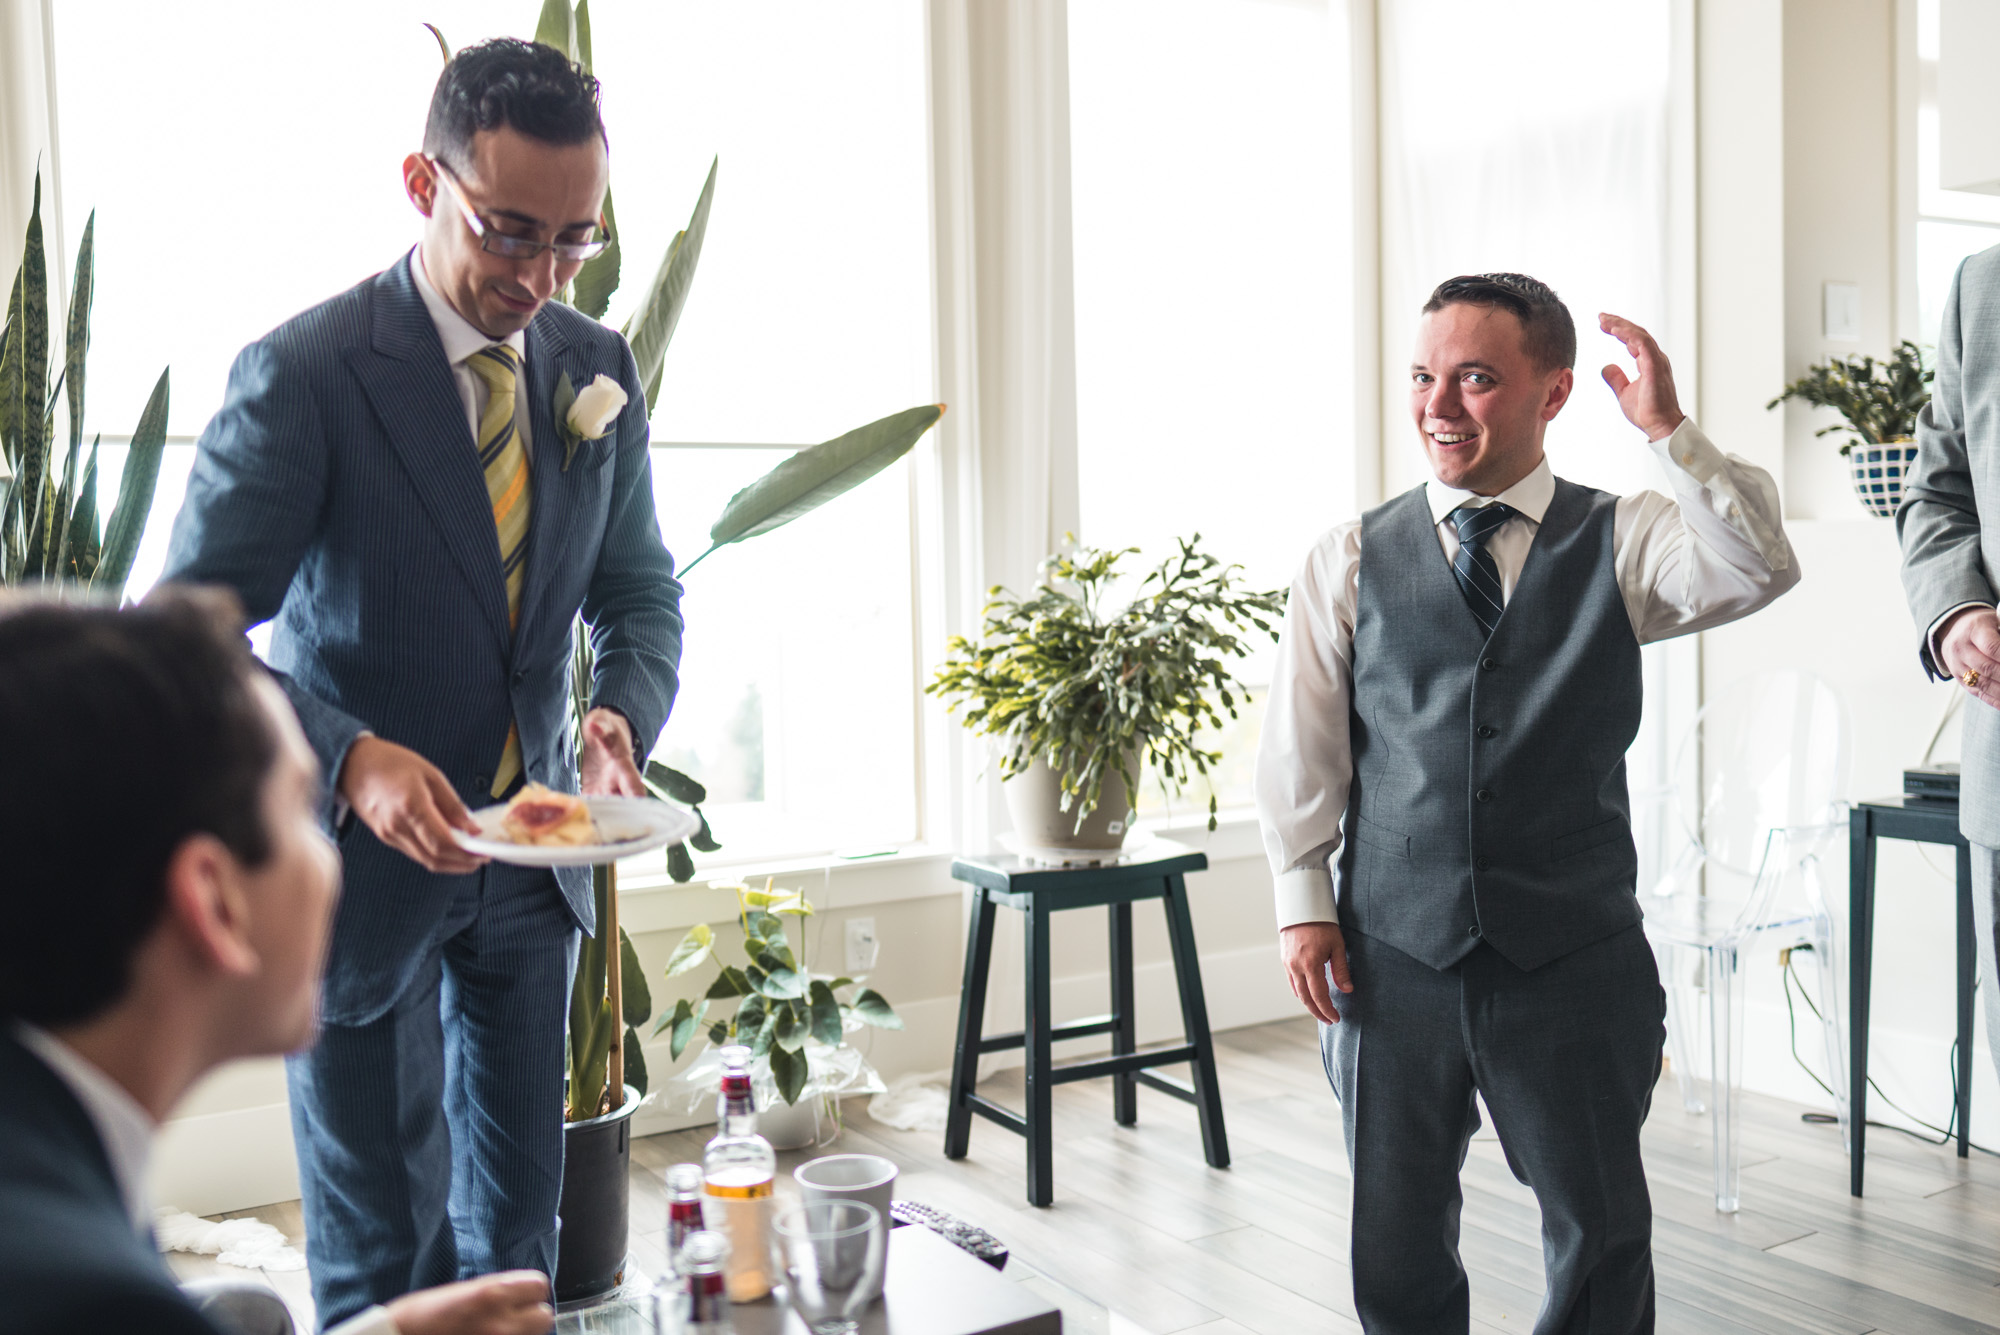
(1209, 144)
(248, 167)
(1951, 224)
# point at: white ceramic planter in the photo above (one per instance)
(1034, 804)
(790, 1126)
(1878, 472)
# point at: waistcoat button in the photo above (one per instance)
(1483, 863)
(1487, 730)
(1484, 794)
(1488, 664)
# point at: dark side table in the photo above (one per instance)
(1926, 823)
(1039, 891)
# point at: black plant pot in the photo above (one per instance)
(596, 1203)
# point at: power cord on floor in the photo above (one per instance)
(1946, 1133)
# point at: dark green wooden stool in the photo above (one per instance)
(1039, 891)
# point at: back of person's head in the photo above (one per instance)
(525, 86)
(122, 734)
(1548, 335)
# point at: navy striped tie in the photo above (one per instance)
(1478, 577)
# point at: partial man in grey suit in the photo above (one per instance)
(1441, 784)
(1949, 523)
(388, 482)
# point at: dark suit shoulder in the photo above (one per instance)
(579, 329)
(338, 322)
(69, 1258)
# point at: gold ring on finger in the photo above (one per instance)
(1971, 678)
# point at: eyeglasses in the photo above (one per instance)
(517, 247)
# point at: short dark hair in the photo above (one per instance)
(122, 734)
(1548, 335)
(533, 88)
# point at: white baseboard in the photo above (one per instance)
(235, 1160)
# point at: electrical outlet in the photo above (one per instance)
(862, 946)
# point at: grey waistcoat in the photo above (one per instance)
(1489, 793)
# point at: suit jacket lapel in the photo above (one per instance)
(407, 380)
(549, 523)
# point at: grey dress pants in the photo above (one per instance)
(1565, 1057)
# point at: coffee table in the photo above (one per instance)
(931, 1288)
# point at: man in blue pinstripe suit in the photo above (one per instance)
(388, 482)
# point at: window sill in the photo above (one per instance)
(651, 901)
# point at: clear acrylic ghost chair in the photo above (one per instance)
(1757, 790)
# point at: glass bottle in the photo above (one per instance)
(737, 1171)
(684, 1217)
(706, 1309)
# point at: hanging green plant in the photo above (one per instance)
(1879, 401)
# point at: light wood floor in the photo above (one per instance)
(1144, 1236)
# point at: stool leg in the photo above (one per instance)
(1035, 1033)
(1124, 1025)
(1194, 1017)
(971, 1021)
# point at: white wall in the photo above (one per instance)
(1799, 169)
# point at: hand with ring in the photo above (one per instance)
(1969, 646)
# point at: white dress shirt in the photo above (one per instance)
(1714, 552)
(127, 1132)
(461, 340)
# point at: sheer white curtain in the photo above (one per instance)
(1538, 138)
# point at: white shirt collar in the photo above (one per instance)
(461, 338)
(1530, 496)
(125, 1128)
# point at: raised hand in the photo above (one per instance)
(408, 803)
(1970, 646)
(1647, 399)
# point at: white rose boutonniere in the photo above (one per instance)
(586, 415)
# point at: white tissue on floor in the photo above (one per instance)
(913, 1102)
(249, 1243)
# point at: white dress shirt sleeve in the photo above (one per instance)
(1714, 552)
(374, 1321)
(1304, 764)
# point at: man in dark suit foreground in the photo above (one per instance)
(168, 899)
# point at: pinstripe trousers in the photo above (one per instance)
(430, 1140)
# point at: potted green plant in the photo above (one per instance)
(49, 524)
(1878, 403)
(794, 1021)
(1080, 694)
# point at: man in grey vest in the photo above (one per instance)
(1441, 785)
(1950, 527)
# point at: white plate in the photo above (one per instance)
(628, 825)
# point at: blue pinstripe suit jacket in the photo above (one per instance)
(338, 491)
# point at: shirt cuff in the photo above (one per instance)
(1689, 454)
(1931, 643)
(374, 1321)
(1305, 894)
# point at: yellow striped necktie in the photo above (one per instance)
(505, 460)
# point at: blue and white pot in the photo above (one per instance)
(1878, 474)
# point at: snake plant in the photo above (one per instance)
(49, 525)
